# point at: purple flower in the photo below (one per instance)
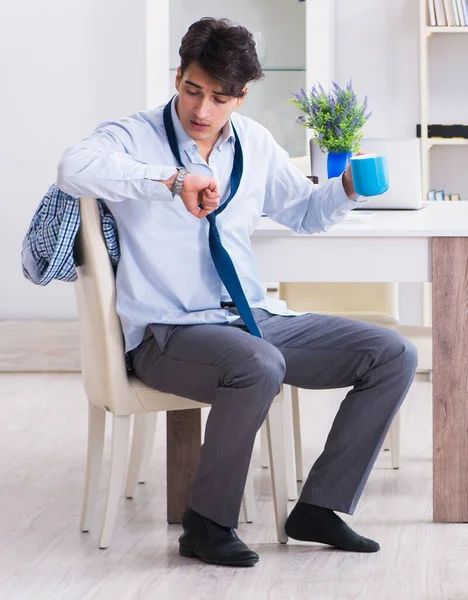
(336, 116)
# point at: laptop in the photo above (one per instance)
(404, 173)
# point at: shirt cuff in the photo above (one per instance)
(340, 194)
(157, 173)
(340, 197)
(154, 176)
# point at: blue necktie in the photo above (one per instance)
(221, 259)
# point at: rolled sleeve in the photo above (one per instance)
(329, 205)
(292, 200)
(106, 166)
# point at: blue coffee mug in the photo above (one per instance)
(370, 174)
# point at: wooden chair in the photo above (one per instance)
(109, 388)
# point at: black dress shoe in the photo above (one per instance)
(213, 543)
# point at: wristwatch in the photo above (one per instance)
(182, 173)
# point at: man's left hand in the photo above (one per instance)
(347, 179)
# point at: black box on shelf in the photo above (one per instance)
(444, 131)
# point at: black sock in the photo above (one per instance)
(311, 523)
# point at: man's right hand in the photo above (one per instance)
(198, 190)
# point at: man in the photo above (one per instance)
(187, 184)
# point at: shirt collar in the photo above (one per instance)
(185, 142)
(227, 134)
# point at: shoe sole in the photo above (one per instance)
(187, 552)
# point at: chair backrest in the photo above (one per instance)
(101, 340)
(302, 163)
(342, 297)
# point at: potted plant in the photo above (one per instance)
(337, 119)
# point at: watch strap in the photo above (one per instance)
(182, 173)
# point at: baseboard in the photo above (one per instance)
(39, 346)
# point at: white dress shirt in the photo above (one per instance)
(166, 273)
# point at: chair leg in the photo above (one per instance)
(387, 445)
(289, 451)
(139, 442)
(96, 431)
(275, 432)
(120, 435)
(297, 432)
(248, 500)
(152, 419)
(395, 431)
(264, 446)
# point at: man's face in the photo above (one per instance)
(202, 108)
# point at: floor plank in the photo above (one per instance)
(43, 555)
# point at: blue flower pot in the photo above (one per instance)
(337, 163)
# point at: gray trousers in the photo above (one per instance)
(239, 375)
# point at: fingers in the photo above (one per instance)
(205, 184)
(203, 213)
(200, 213)
(213, 187)
(211, 194)
(207, 197)
(208, 203)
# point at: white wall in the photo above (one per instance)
(68, 64)
(65, 66)
(377, 47)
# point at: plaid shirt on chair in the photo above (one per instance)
(48, 245)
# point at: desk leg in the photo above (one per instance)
(450, 374)
(183, 452)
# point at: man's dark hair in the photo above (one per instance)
(226, 52)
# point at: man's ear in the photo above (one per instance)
(241, 99)
(178, 78)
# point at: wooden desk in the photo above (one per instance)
(400, 246)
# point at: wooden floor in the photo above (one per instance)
(43, 555)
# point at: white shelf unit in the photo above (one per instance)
(426, 32)
(446, 142)
(431, 30)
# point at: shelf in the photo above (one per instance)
(431, 30)
(447, 142)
